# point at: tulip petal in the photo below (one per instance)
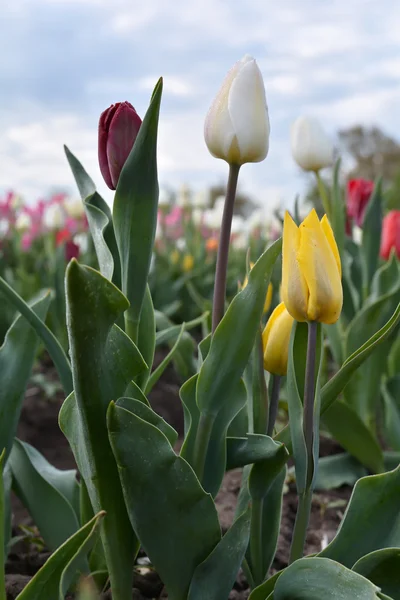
(248, 111)
(218, 129)
(311, 147)
(275, 337)
(122, 133)
(294, 289)
(327, 229)
(319, 266)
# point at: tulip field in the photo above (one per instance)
(197, 405)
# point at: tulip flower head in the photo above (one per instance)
(390, 234)
(118, 129)
(311, 147)
(237, 124)
(276, 337)
(311, 270)
(359, 192)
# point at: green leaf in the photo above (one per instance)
(214, 577)
(50, 495)
(263, 591)
(337, 470)
(317, 578)
(184, 358)
(62, 568)
(104, 362)
(391, 406)
(175, 519)
(371, 239)
(3, 523)
(16, 361)
(338, 207)
(100, 221)
(353, 435)
(144, 412)
(253, 448)
(135, 210)
(146, 338)
(374, 501)
(335, 336)
(53, 346)
(382, 567)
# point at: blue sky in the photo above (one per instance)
(63, 62)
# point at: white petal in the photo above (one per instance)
(311, 147)
(248, 112)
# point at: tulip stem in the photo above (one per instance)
(305, 498)
(256, 540)
(259, 388)
(274, 403)
(323, 195)
(201, 444)
(223, 248)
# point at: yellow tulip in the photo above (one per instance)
(175, 257)
(275, 337)
(188, 263)
(268, 297)
(311, 270)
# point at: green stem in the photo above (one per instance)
(259, 388)
(274, 403)
(248, 573)
(131, 328)
(256, 540)
(300, 526)
(323, 195)
(223, 248)
(202, 441)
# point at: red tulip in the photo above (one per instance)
(390, 234)
(359, 192)
(118, 129)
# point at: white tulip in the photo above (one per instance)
(23, 222)
(237, 124)
(311, 147)
(74, 207)
(53, 217)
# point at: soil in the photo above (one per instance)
(38, 426)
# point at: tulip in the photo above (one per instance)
(311, 270)
(188, 263)
(390, 234)
(275, 338)
(311, 147)
(237, 125)
(118, 129)
(359, 192)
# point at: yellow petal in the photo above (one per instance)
(294, 290)
(320, 270)
(268, 298)
(276, 336)
(326, 226)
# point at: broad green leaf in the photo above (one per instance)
(168, 332)
(191, 414)
(264, 590)
(321, 578)
(385, 281)
(337, 470)
(53, 346)
(50, 495)
(184, 358)
(394, 357)
(214, 577)
(99, 219)
(3, 524)
(371, 239)
(353, 435)
(382, 567)
(351, 280)
(337, 383)
(334, 334)
(16, 361)
(144, 412)
(253, 448)
(175, 519)
(63, 567)
(391, 408)
(135, 211)
(104, 362)
(374, 501)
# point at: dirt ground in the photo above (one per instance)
(38, 426)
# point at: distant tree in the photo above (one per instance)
(244, 205)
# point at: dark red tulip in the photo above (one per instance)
(390, 234)
(118, 129)
(359, 192)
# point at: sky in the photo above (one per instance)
(62, 62)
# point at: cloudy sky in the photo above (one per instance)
(64, 61)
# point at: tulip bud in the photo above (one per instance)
(276, 337)
(311, 270)
(237, 125)
(118, 129)
(390, 234)
(359, 192)
(311, 147)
